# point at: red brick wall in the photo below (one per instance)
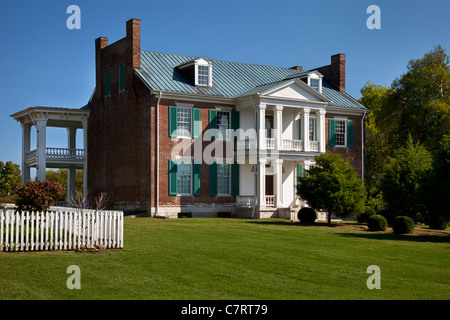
(354, 154)
(166, 146)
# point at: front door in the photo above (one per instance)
(269, 185)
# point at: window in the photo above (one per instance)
(203, 75)
(340, 132)
(269, 126)
(312, 129)
(223, 123)
(184, 122)
(184, 173)
(315, 84)
(223, 179)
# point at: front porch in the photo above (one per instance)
(42, 156)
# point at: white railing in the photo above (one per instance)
(245, 201)
(314, 145)
(292, 145)
(270, 201)
(65, 153)
(60, 229)
(270, 143)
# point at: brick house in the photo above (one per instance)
(177, 135)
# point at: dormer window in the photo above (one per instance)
(315, 84)
(203, 75)
(199, 71)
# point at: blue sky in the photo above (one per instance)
(46, 64)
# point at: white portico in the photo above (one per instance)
(289, 118)
(42, 156)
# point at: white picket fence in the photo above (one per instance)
(61, 229)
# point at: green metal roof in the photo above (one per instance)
(230, 79)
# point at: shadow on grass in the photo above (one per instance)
(397, 237)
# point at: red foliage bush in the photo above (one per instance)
(38, 195)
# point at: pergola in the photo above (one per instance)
(43, 156)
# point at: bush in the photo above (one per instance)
(307, 215)
(437, 223)
(377, 223)
(403, 224)
(363, 217)
(38, 195)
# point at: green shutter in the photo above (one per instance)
(349, 133)
(235, 122)
(173, 122)
(235, 179)
(172, 178)
(300, 128)
(331, 132)
(315, 129)
(213, 179)
(122, 77)
(196, 170)
(213, 122)
(299, 174)
(196, 125)
(107, 83)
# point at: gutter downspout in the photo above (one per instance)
(257, 149)
(157, 155)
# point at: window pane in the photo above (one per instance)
(223, 122)
(223, 178)
(312, 129)
(340, 133)
(184, 178)
(314, 84)
(184, 122)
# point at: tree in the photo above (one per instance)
(434, 188)
(376, 147)
(333, 185)
(419, 102)
(401, 178)
(10, 178)
(60, 176)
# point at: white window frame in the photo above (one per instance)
(318, 84)
(313, 121)
(344, 121)
(179, 132)
(190, 178)
(203, 63)
(229, 180)
(227, 130)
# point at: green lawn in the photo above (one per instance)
(237, 259)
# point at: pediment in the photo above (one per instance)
(294, 89)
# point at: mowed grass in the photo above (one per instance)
(236, 259)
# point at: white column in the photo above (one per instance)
(26, 131)
(261, 188)
(41, 138)
(278, 119)
(279, 182)
(262, 126)
(85, 144)
(321, 130)
(71, 172)
(305, 117)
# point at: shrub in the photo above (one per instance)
(38, 195)
(437, 223)
(364, 216)
(403, 224)
(377, 223)
(307, 215)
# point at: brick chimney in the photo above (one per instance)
(100, 43)
(337, 71)
(299, 68)
(134, 41)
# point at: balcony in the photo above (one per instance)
(65, 153)
(292, 145)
